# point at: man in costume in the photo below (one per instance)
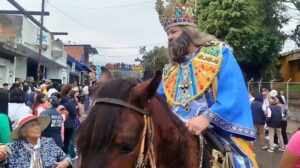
(203, 82)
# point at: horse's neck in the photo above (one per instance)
(176, 147)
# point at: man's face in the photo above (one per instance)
(265, 94)
(5, 87)
(173, 33)
(179, 42)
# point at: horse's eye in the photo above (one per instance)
(126, 148)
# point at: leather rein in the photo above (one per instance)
(146, 156)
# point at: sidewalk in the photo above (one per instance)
(292, 126)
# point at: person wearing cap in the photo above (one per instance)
(31, 150)
(274, 121)
(203, 82)
(54, 128)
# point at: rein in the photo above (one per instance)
(148, 131)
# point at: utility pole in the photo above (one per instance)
(40, 41)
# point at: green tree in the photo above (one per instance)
(293, 6)
(250, 27)
(153, 60)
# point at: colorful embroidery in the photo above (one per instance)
(170, 81)
(203, 68)
(225, 125)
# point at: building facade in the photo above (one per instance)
(290, 65)
(78, 62)
(19, 52)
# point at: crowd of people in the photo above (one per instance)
(270, 117)
(270, 114)
(39, 122)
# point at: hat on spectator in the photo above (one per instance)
(54, 101)
(42, 120)
(273, 93)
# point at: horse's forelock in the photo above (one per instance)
(97, 131)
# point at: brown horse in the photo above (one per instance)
(116, 134)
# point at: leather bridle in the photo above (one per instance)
(144, 158)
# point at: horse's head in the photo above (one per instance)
(114, 132)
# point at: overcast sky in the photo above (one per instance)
(117, 24)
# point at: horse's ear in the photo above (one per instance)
(147, 89)
(105, 75)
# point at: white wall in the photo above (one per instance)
(56, 72)
(6, 71)
(20, 67)
(62, 60)
(30, 39)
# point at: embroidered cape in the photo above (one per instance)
(210, 84)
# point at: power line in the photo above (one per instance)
(87, 28)
(74, 20)
(118, 56)
(146, 45)
(126, 47)
(108, 7)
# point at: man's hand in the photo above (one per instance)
(197, 124)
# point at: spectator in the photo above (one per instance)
(4, 101)
(26, 88)
(291, 156)
(85, 95)
(54, 128)
(29, 149)
(38, 106)
(5, 126)
(5, 86)
(30, 99)
(274, 118)
(15, 85)
(31, 83)
(70, 123)
(259, 118)
(281, 93)
(5, 129)
(56, 94)
(265, 93)
(283, 122)
(17, 107)
(52, 89)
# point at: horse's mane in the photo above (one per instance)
(96, 132)
(178, 123)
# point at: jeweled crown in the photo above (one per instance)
(176, 12)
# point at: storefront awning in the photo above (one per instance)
(79, 66)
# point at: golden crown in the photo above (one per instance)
(176, 12)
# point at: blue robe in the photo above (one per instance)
(230, 111)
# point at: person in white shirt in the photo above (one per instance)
(17, 107)
(281, 93)
(52, 89)
(265, 93)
